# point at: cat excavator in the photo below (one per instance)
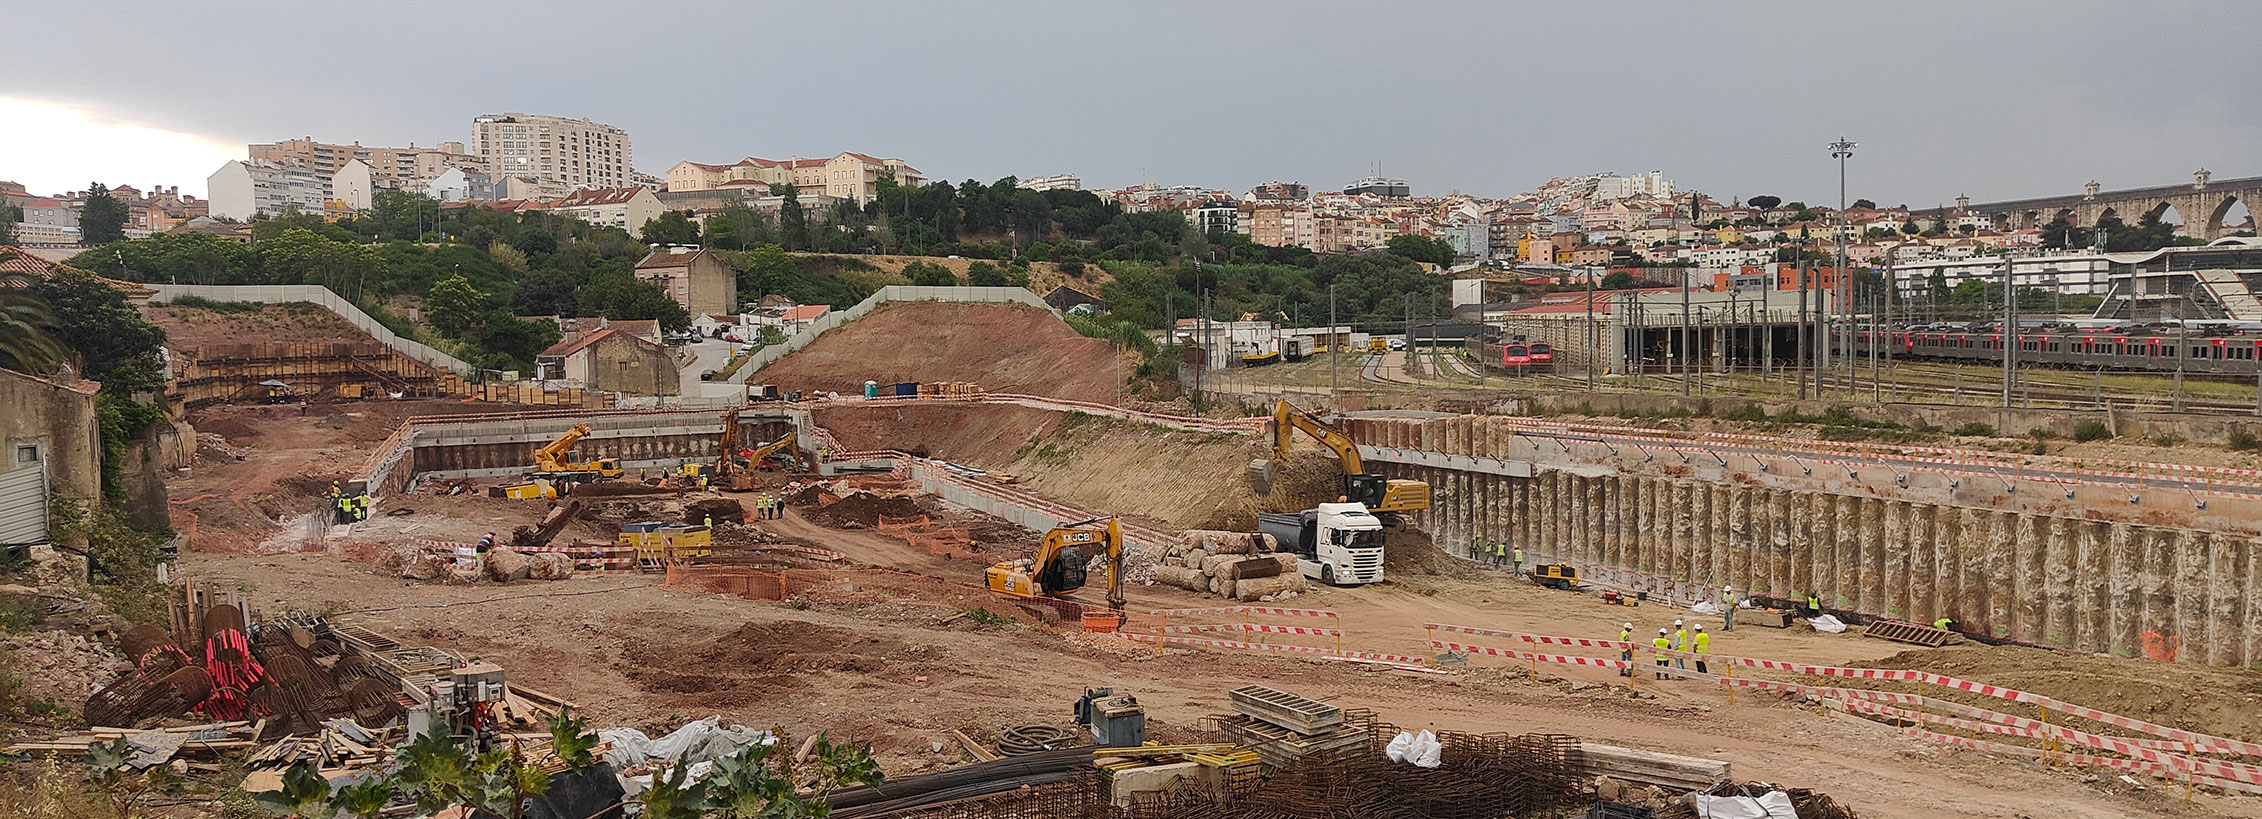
(729, 470)
(550, 462)
(1058, 566)
(1385, 497)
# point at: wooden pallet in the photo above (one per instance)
(1281, 748)
(1903, 631)
(1669, 771)
(1299, 714)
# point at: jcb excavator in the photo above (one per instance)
(1058, 566)
(550, 462)
(1382, 496)
(728, 470)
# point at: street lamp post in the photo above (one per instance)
(1843, 150)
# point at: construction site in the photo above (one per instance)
(1032, 596)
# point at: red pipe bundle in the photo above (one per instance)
(227, 657)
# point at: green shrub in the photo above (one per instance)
(1747, 412)
(2087, 431)
(2243, 442)
(1976, 429)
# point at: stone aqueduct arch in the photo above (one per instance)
(2202, 204)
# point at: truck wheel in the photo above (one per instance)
(1327, 575)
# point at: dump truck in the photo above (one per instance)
(1334, 543)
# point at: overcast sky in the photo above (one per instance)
(1992, 99)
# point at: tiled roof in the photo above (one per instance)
(805, 312)
(598, 196)
(662, 258)
(565, 349)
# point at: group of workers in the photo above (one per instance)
(347, 508)
(1679, 638)
(768, 507)
(1499, 552)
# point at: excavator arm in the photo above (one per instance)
(754, 458)
(1286, 416)
(1114, 566)
(1379, 494)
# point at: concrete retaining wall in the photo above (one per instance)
(2131, 587)
(317, 295)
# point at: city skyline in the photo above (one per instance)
(1486, 100)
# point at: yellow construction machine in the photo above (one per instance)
(1382, 496)
(1058, 566)
(550, 462)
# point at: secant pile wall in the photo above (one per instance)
(2128, 588)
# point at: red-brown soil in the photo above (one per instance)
(1002, 348)
(187, 328)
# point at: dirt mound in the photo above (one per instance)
(2145, 689)
(1409, 552)
(721, 509)
(864, 511)
(761, 657)
(1002, 348)
(187, 328)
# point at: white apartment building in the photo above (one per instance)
(574, 153)
(243, 188)
(1056, 182)
(389, 167)
(1611, 187)
(847, 175)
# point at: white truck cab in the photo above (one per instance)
(1335, 543)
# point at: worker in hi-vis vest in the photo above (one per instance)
(1663, 645)
(1702, 646)
(1626, 651)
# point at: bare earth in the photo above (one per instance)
(898, 665)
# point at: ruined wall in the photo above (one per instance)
(2125, 587)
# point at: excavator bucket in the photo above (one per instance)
(1262, 473)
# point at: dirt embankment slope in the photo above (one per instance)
(1182, 479)
(1003, 348)
(187, 328)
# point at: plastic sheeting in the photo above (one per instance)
(698, 741)
(1827, 624)
(1771, 805)
(1423, 749)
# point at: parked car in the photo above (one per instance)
(707, 374)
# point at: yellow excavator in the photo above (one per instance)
(550, 462)
(1379, 494)
(1058, 566)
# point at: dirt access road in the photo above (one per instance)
(903, 674)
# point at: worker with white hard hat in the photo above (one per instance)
(1662, 644)
(1702, 646)
(1626, 649)
(1728, 607)
(1680, 643)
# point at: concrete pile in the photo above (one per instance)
(1235, 565)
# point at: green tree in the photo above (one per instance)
(110, 338)
(1421, 249)
(1863, 203)
(984, 274)
(102, 218)
(186, 258)
(300, 256)
(27, 343)
(793, 225)
(547, 292)
(926, 274)
(511, 258)
(1618, 280)
(670, 227)
(621, 296)
(402, 214)
(10, 217)
(454, 306)
(1764, 202)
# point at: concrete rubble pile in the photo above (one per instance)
(1235, 565)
